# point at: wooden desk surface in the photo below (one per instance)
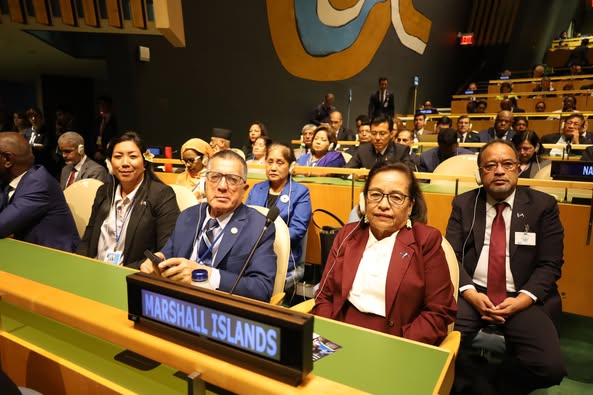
(90, 296)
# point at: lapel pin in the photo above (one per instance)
(284, 198)
(404, 254)
(234, 230)
(520, 215)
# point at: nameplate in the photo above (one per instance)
(267, 339)
(572, 170)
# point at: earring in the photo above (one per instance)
(409, 223)
(365, 219)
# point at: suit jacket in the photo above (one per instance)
(296, 211)
(534, 268)
(321, 113)
(430, 159)
(151, 221)
(109, 132)
(553, 138)
(89, 169)
(366, 156)
(37, 213)
(419, 301)
(345, 135)
(471, 137)
(588, 154)
(240, 235)
(489, 134)
(376, 107)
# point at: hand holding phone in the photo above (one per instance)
(155, 259)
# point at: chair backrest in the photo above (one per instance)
(453, 271)
(346, 156)
(282, 250)
(80, 197)
(185, 197)
(458, 165)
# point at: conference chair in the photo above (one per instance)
(80, 197)
(185, 197)
(346, 156)
(282, 250)
(459, 165)
(297, 275)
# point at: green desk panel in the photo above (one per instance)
(367, 361)
(88, 352)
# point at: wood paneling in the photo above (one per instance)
(68, 13)
(91, 14)
(114, 13)
(16, 10)
(138, 13)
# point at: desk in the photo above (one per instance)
(91, 296)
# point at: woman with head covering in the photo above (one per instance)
(133, 213)
(194, 154)
(388, 272)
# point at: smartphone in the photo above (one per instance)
(155, 259)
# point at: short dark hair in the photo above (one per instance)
(419, 210)
(520, 118)
(364, 119)
(383, 118)
(382, 79)
(444, 120)
(447, 137)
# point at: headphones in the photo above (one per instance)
(204, 160)
(80, 149)
(331, 147)
(362, 207)
(478, 176)
(291, 168)
(109, 166)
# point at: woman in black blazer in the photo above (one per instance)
(134, 213)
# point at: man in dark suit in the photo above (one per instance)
(321, 111)
(78, 165)
(501, 130)
(102, 131)
(381, 148)
(382, 101)
(464, 131)
(41, 140)
(448, 147)
(231, 229)
(573, 126)
(509, 244)
(336, 124)
(32, 205)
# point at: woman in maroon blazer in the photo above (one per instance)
(388, 272)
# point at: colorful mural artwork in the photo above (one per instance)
(330, 40)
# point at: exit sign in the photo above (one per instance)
(467, 39)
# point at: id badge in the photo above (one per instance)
(525, 238)
(113, 257)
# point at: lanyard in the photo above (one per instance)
(124, 221)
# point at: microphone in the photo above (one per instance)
(568, 148)
(350, 95)
(271, 217)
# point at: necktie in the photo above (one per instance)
(206, 241)
(496, 258)
(7, 190)
(72, 177)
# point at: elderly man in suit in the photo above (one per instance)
(382, 101)
(501, 130)
(509, 244)
(32, 205)
(78, 165)
(219, 235)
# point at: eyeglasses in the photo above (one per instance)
(572, 123)
(507, 165)
(191, 160)
(380, 134)
(231, 179)
(394, 198)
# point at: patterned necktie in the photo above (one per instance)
(497, 290)
(206, 241)
(72, 177)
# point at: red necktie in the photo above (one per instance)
(497, 289)
(72, 177)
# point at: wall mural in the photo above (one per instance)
(330, 40)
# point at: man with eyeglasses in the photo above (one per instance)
(218, 235)
(381, 148)
(509, 243)
(571, 134)
(501, 130)
(78, 165)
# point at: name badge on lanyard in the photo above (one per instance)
(113, 257)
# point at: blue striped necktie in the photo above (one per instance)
(206, 241)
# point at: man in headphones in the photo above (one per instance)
(509, 243)
(32, 205)
(78, 165)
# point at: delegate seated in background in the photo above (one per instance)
(388, 272)
(322, 150)
(509, 243)
(448, 147)
(530, 152)
(32, 204)
(77, 166)
(289, 196)
(133, 213)
(194, 154)
(306, 140)
(570, 134)
(218, 236)
(260, 148)
(257, 129)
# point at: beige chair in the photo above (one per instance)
(459, 165)
(80, 197)
(282, 250)
(346, 156)
(185, 197)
